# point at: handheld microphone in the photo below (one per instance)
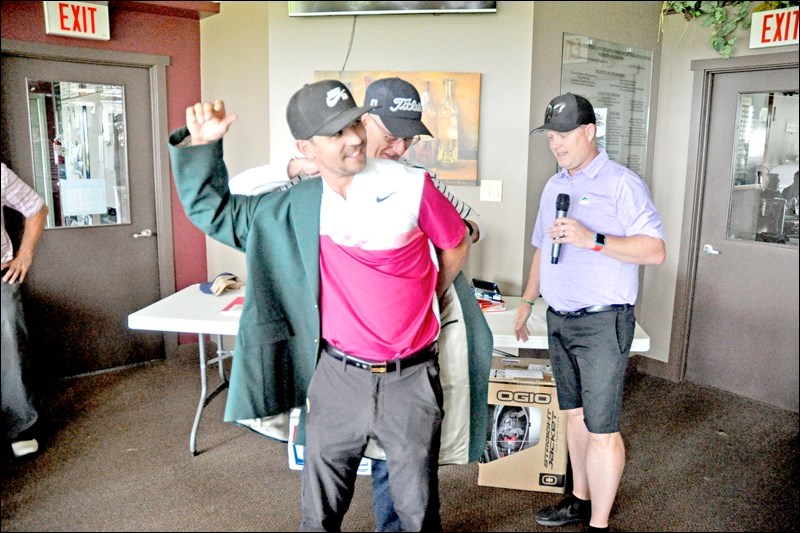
(562, 206)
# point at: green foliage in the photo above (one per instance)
(725, 18)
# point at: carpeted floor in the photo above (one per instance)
(115, 457)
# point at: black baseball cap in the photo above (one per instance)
(567, 112)
(322, 108)
(400, 107)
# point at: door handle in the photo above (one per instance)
(144, 233)
(710, 250)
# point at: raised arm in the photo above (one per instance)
(201, 177)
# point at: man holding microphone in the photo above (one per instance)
(605, 226)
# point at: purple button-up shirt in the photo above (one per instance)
(607, 198)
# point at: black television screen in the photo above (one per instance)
(313, 9)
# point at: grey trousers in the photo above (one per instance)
(19, 412)
(402, 410)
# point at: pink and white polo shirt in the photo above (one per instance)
(378, 272)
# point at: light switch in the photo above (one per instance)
(491, 190)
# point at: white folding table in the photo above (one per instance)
(194, 311)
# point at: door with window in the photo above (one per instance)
(743, 334)
(82, 134)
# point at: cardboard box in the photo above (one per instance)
(296, 450)
(526, 444)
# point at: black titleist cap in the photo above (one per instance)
(322, 108)
(567, 112)
(400, 109)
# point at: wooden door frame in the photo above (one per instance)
(704, 73)
(156, 66)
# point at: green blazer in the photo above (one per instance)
(278, 343)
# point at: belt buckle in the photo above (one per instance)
(378, 368)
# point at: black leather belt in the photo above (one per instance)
(426, 354)
(590, 310)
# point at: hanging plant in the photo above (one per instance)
(724, 18)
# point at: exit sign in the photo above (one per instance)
(774, 28)
(83, 20)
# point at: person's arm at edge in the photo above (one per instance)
(23, 258)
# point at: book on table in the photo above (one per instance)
(234, 307)
(491, 306)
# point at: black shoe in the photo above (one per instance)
(597, 529)
(567, 511)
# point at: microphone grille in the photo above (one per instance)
(562, 202)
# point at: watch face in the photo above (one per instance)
(600, 239)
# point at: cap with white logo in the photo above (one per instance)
(322, 108)
(400, 108)
(567, 112)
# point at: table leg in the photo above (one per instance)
(203, 390)
(222, 353)
(206, 398)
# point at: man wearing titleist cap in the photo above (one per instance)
(392, 128)
(610, 229)
(465, 346)
(341, 302)
(396, 125)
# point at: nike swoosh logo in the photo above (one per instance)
(379, 199)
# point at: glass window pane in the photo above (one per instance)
(764, 199)
(79, 153)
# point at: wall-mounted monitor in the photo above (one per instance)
(315, 9)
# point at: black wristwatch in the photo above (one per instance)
(599, 242)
